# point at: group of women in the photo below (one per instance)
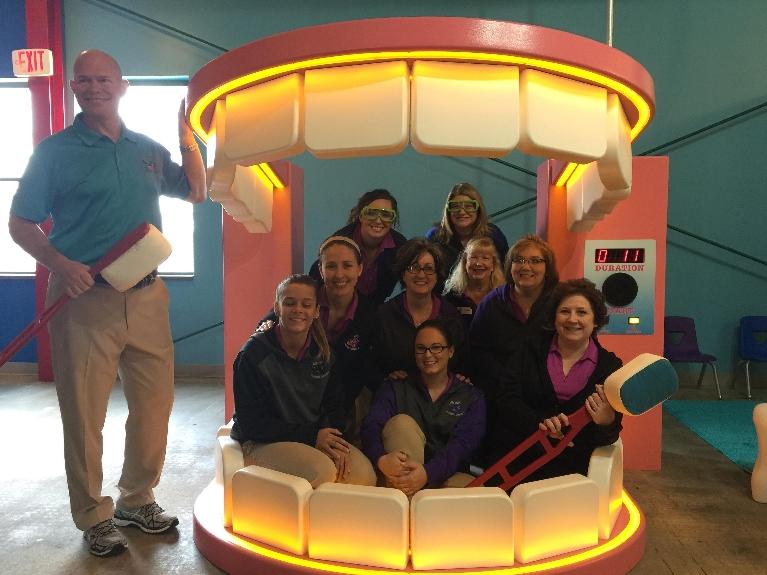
(342, 382)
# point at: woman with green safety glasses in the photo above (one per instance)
(371, 224)
(464, 218)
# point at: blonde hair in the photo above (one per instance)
(459, 279)
(316, 329)
(445, 231)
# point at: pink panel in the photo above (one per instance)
(255, 263)
(642, 215)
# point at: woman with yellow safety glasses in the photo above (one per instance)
(464, 218)
(371, 224)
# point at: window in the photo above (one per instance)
(15, 150)
(151, 107)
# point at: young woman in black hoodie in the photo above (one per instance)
(288, 398)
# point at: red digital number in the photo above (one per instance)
(601, 256)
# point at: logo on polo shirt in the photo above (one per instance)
(353, 343)
(455, 408)
(150, 166)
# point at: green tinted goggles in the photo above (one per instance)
(372, 214)
(468, 206)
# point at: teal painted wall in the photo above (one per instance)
(706, 58)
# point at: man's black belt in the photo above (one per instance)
(142, 283)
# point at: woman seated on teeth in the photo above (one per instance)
(560, 371)
(422, 430)
(288, 398)
(349, 319)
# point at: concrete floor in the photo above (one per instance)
(701, 519)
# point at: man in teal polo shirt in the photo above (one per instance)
(98, 181)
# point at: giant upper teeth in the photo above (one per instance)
(327, 111)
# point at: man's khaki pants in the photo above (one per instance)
(93, 338)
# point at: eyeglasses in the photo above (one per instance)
(469, 206)
(531, 261)
(428, 269)
(372, 214)
(479, 258)
(435, 348)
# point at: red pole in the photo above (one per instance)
(43, 19)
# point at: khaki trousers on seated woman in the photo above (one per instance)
(402, 433)
(308, 462)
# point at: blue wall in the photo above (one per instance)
(705, 56)
(17, 304)
(13, 33)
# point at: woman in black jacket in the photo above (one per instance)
(349, 319)
(420, 266)
(509, 313)
(288, 399)
(560, 371)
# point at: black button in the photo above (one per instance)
(620, 289)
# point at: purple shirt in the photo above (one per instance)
(335, 332)
(301, 351)
(436, 306)
(519, 313)
(566, 386)
(368, 281)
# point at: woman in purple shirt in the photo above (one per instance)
(558, 372)
(422, 430)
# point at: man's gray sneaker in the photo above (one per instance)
(104, 539)
(150, 518)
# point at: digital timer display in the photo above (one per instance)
(619, 256)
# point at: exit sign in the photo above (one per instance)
(32, 62)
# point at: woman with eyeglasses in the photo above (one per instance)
(371, 225)
(510, 313)
(419, 266)
(478, 271)
(560, 370)
(463, 218)
(422, 430)
(288, 398)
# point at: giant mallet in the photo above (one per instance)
(644, 382)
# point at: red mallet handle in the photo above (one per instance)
(578, 421)
(42, 319)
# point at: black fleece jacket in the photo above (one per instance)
(278, 398)
(497, 338)
(394, 346)
(529, 397)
